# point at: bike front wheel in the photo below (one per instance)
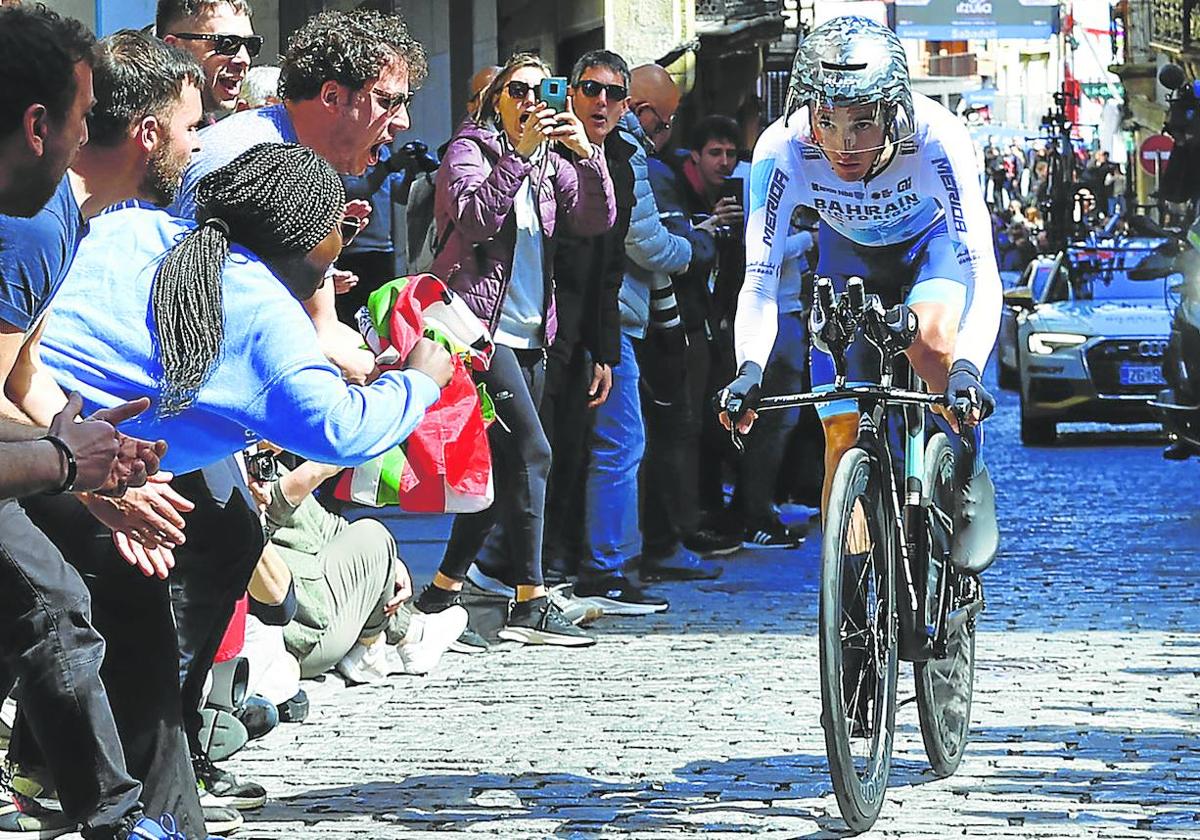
(945, 684)
(858, 638)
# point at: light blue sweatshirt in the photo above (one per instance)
(270, 382)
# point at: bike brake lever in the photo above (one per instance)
(962, 410)
(732, 405)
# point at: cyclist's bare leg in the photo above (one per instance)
(933, 351)
(841, 430)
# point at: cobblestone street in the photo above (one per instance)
(704, 721)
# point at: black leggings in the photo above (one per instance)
(520, 466)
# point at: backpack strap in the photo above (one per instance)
(439, 242)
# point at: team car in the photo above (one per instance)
(1090, 345)
(1029, 285)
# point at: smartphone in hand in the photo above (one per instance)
(553, 91)
(732, 188)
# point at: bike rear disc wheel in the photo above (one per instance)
(944, 686)
(858, 641)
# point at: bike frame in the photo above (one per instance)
(909, 516)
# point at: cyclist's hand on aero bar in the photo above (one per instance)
(965, 394)
(736, 401)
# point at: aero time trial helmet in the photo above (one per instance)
(854, 61)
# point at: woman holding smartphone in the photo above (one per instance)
(501, 193)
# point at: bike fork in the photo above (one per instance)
(916, 636)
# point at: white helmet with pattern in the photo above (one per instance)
(854, 61)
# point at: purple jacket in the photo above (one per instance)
(475, 188)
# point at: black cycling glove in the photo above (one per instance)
(741, 395)
(965, 385)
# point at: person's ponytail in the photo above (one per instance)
(189, 313)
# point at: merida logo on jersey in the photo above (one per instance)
(954, 211)
(774, 196)
(854, 212)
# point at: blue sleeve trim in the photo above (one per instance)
(276, 615)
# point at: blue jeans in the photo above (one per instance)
(618, 442)
(50, 647)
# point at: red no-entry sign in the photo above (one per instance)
(1154, 153)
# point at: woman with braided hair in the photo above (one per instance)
(231, 354)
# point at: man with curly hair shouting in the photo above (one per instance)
(346, 81)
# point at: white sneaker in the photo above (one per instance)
(428, 637)
(363, 664)
(576, 610)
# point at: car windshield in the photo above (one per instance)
(1103, 275)
(1041, 276)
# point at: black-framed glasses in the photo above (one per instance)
(226, 44)
(392, 102)
(591, 89)
(519, 90)
(663, 125)
(351, 227)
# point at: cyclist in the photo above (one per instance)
(894, 180)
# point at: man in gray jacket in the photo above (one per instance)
(618, 438)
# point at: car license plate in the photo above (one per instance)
(1135, 374)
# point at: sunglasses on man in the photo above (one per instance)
(392, 102)
(591, 89)
(226, 44)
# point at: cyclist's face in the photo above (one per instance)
(851, 138)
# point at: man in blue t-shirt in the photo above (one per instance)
(49, 648)
(42, 128)
(142, 132)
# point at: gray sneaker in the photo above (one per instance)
(221, 820)
(574, 609)
(28, 818)
(540, 622)
(469, 641)
(616, 595)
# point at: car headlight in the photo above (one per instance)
(1045, 343)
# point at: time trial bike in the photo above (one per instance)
(889, 590)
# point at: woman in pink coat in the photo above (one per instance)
(502, 192)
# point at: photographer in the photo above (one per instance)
(373, 256)
(368, 258)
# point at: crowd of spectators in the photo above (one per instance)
(1017, 185)
(185, 244)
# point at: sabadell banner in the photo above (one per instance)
(960, 20)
